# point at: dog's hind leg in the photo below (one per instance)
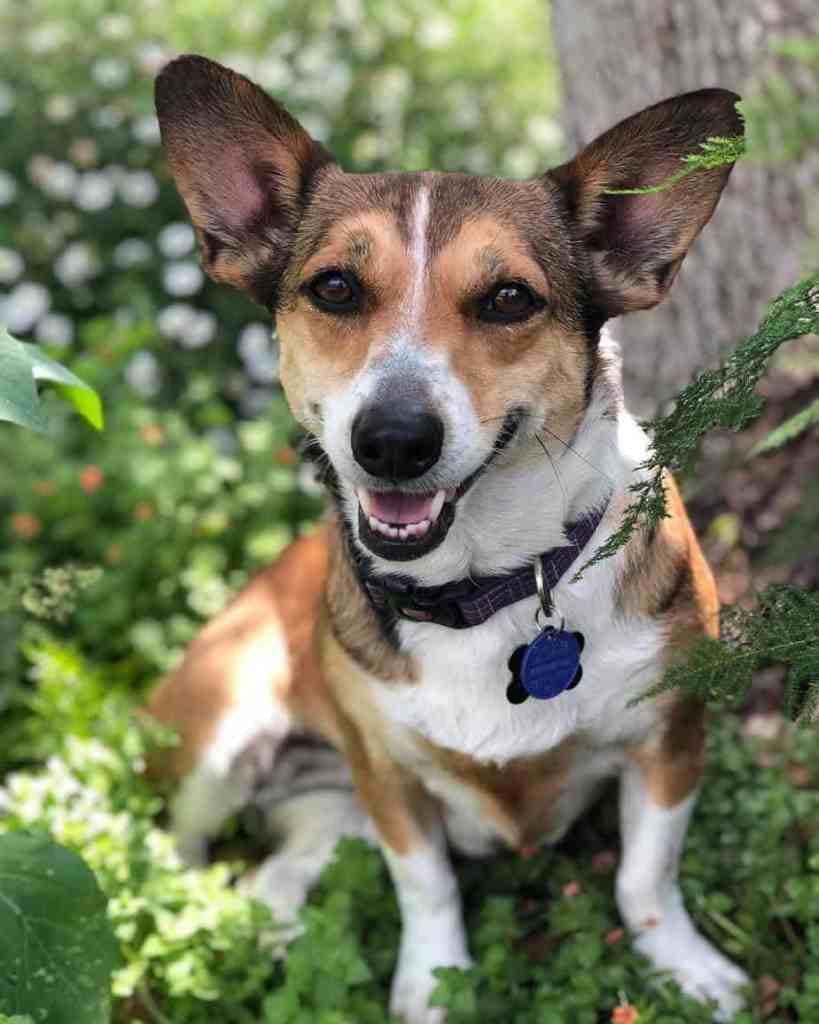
(657, 797)
(310, 813)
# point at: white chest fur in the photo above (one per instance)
(459, 701)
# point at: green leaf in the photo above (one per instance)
(57, 949)
(787, 431)
(21, 364)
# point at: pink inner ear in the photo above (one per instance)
(235, 197)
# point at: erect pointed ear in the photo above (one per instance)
(243, 166)
(637, 242)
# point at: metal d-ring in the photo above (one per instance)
(542, 592)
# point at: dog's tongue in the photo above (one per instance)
(395, 507)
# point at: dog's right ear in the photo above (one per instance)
(243, 166)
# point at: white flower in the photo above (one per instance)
(199, 331)
(76, 264)
(94, 191)
(138, 188)
(436, 32)
(56, 179)
(258, 353)
(60, 108)
(143, 374)
(7, 98)
(8, 188)
(176, 239)
(151, 57)
(48, 36)
(175, 319)
(107, 117)
(274, 74)
(55, 329)
(23, 306)
(131, 252)
(12, 265)
(110, 72)
(146, 129)
(183, 277)
(519, 162)
(115, 26)
(544, 131)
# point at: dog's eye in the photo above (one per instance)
(334, 291)
(508, 303)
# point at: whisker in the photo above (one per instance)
(574, 451)
(553, 464)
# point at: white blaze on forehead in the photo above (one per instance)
(418, 257)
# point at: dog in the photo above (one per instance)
(434, 666)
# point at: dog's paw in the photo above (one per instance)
(698, 968)
(414, 983)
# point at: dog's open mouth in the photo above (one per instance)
(400, 526)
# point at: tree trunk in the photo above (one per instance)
(618, 56)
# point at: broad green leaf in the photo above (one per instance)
(787, 431)
(21, 365)
(57, 950)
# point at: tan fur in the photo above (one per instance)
(263, 640)
(667, 577)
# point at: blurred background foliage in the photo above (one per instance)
(195, 480)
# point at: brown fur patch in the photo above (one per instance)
(666, 576)
(262, 640)
(672, 765)
(519, 796)
(353, 624)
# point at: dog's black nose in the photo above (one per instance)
(397, 440)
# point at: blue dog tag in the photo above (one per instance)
(546, 667)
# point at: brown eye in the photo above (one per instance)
(508, 303)
(334, 291)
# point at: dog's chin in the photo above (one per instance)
(400, 526)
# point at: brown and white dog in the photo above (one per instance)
(441, 342)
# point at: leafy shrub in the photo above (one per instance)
(545, 933)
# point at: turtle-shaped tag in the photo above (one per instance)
(546, 667)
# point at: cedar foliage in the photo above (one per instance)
(784, 627)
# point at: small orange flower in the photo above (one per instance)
(143, 511)
(113, 556)
(285, 456)
(152, 434)
(26, 526)
(91, 479)
(44, 487)
(571, 889)
(614, 936)
(625, 1013)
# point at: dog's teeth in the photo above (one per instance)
(364, 500)
(437, 505)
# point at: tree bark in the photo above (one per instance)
(618, 56)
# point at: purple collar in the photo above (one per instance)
(469, 602)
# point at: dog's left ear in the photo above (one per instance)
(637, 242)
(243, 166)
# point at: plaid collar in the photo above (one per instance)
(462, 604)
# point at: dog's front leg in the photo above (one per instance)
(432, 930)
(648, 894)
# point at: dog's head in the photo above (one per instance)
(430, 322)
